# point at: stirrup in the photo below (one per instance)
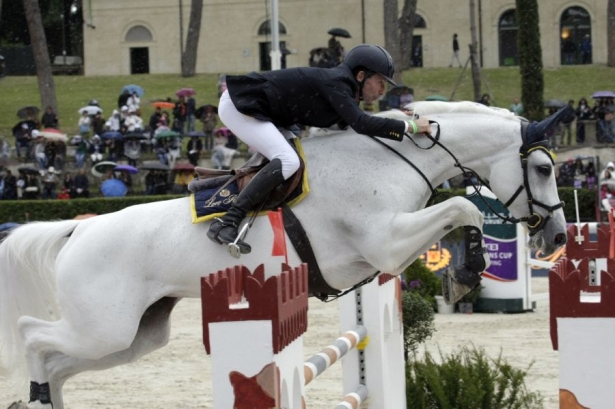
(457, 282)
(239, 247)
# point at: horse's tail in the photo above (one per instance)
(27, 286)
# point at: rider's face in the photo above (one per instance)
(374, 88)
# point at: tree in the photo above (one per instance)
(391, 35)
(406, 32)
(530, 59)
(46, 85)
(610, 15)
(474, 53)
(192, 39)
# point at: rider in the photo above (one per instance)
(256, 104)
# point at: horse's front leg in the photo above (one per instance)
(408, 235)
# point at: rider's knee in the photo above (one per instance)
(290, 164)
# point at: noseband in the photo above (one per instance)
(535, 222)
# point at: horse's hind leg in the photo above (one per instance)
(153, 333)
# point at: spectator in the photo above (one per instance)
(606, 128)
(51, 152)
(68, 185)
(590, 173)
(114, 122)
(568, 49)
(607, 185)
(154, 120)
(232, 141)
(30, 187)
(132, 150)
(133, 102)
(80, 151)
(23, 138)
(39, 153)
(516, 107)
(583, 113)
(60, 158)
(195, 146)
(336, 51)
(455, 55)
(179, 114)
(566, 123)
(96, 149)
(209, 119)
(123, 99)
(81, 184)
(84, 124)
(10, 186)
(49, 118)
(5, 151)
(586, 49)
(484, 100)
(98, 124)
(133, 123)
(565, 175)
(190, 111)
(50, 182)
(162, 151)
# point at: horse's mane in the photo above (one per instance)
(440, 107)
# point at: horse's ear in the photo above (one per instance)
(536, 132)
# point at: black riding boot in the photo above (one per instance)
(457, 281)
(225, 230)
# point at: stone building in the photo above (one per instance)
(145, 36)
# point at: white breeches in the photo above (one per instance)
(261, 136)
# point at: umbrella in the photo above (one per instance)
(436, 97)
(136, 136)
(8, 226)
(195, 134)
(201, 110)
(555, 103)
(133, 88)
(154, 166)
(183, 166)
(185, 92)
(28, 170)
(222, 131)
(167, 134)
(17, 127)
(101, 168)
(53, 134)
(163, 104)
(112, 135)
(28, 112)
(603, 94)
(91, 110)
(113, 188)
(126, 168)
(339, 32)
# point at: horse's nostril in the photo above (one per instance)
(560, 239)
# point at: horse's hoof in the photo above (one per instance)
(452, 288)
(18, 405)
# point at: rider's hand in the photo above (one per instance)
(422, 125)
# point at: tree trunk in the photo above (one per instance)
(530, 59)
(391, 36)
(38, 41)
(474, 53)
(406, 32)
(192, 39)
(610, 16)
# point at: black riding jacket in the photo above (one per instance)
(311, 96)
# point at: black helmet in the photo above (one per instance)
(372, 57)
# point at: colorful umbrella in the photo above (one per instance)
(185, 92)
(167, 134)
(126, 168)
(91, 110)
(101, 168)
(163, 105)
(603, 94)
(133, 88)
(53, 134)
(113, 188)
(183, 166)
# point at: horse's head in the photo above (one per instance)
(530, 190)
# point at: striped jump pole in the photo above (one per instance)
(329, 355)
(353, 400)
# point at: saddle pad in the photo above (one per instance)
(208, 203)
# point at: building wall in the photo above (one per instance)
(229, 41)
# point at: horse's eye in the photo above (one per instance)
(544, 170)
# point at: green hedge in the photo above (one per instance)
(20, 211)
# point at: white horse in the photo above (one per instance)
(97, 293)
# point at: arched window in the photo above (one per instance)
(575, 31)
(265, 28)
(138, 34)
(508, 29)
(419, 22)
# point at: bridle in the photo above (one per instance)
(535, 222)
